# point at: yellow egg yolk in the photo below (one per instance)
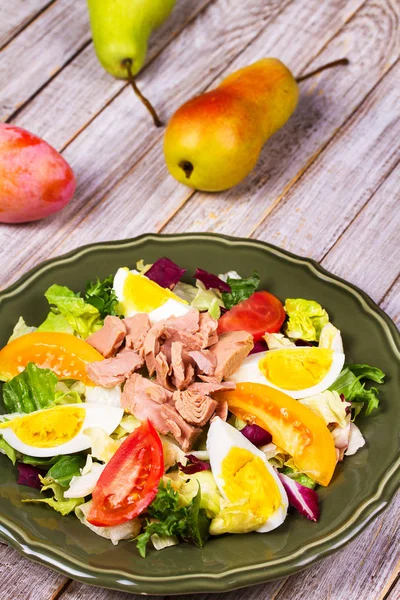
(296, 368)
(249, 484)
(143, 295)
(48, 428)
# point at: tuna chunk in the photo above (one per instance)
(196, 409)
(151, 345)
(210, 387)
(222, 410)
(149, 400)
(231, 349)
(205, 360)
(109, 338)
(188, 322)
(207, 330)
(181, 367)
(163, 371)
(113, 371)
(137, 327)
(184, 433)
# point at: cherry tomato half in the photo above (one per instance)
(129, 483)
(262, 312)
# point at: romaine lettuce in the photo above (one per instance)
(329, 406)
(58, 502)
(306, 319)
(6, 449)
(56, 322)
(21, 328)
(31, 390)
(84, 318)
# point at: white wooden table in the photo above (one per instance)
(326, 186)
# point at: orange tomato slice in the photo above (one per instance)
(63, 353)
(294, 427)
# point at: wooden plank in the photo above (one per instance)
(21, 579)
(352, 573)
(371, 41)
(119, 137)
(372, 240)
(40, 51)
(82, 89)
(16, 15)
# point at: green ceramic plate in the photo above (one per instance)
(362, 486)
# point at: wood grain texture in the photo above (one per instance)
(83, 88)
(15, 16)
(21, 579)
(377, 245)
(122, 133)
(371, 40)
(40, 51)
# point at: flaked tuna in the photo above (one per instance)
(196, 409)
(113, 371)
(109, 338)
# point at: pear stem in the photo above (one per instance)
(335, 63)
(127, 63)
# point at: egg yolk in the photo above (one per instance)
(297, 368)
(249, 484)
(48, 428)
(143, 295)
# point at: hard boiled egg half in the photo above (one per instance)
(298, 372)
(138, 294)
(59, 430)
(255, 499)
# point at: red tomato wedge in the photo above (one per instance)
(129, 483)
(262, 312)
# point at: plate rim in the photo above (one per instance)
(237, 577)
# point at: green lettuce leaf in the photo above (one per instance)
(210, 496)
(241, 289)
(56, 322)
(6, 449)
(101, 295)
(31, 390)
(65, 469)
(353, 389)
(170, 518)
(58, 502)
(84, 318)
(21, 328)
(306, 319)
(37, 461)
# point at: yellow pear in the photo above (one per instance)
(213, 141)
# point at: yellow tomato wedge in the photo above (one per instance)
(63, 353)
(294, 427)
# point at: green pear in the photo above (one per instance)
(121, 29)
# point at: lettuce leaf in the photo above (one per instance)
(169, 518)
(6, 449)
(56, 322)
(329, 406)
(84, 318)
(301, 478)
(58, 502)
(100, 294)
(21, 328)
(306, 319)
(116, 533)
(353, 389)
(65, 469)
(31, 390)
(241, 289)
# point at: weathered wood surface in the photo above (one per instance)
(326, 186)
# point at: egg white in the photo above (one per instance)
(221, 438)
(249, 372)
(97, 415)
(170, 308)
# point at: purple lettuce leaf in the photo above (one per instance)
(260, 346)
(196, 465)
(211, 281)
(256, 435)
(303, 499)
(165, 272)
(29, 475)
